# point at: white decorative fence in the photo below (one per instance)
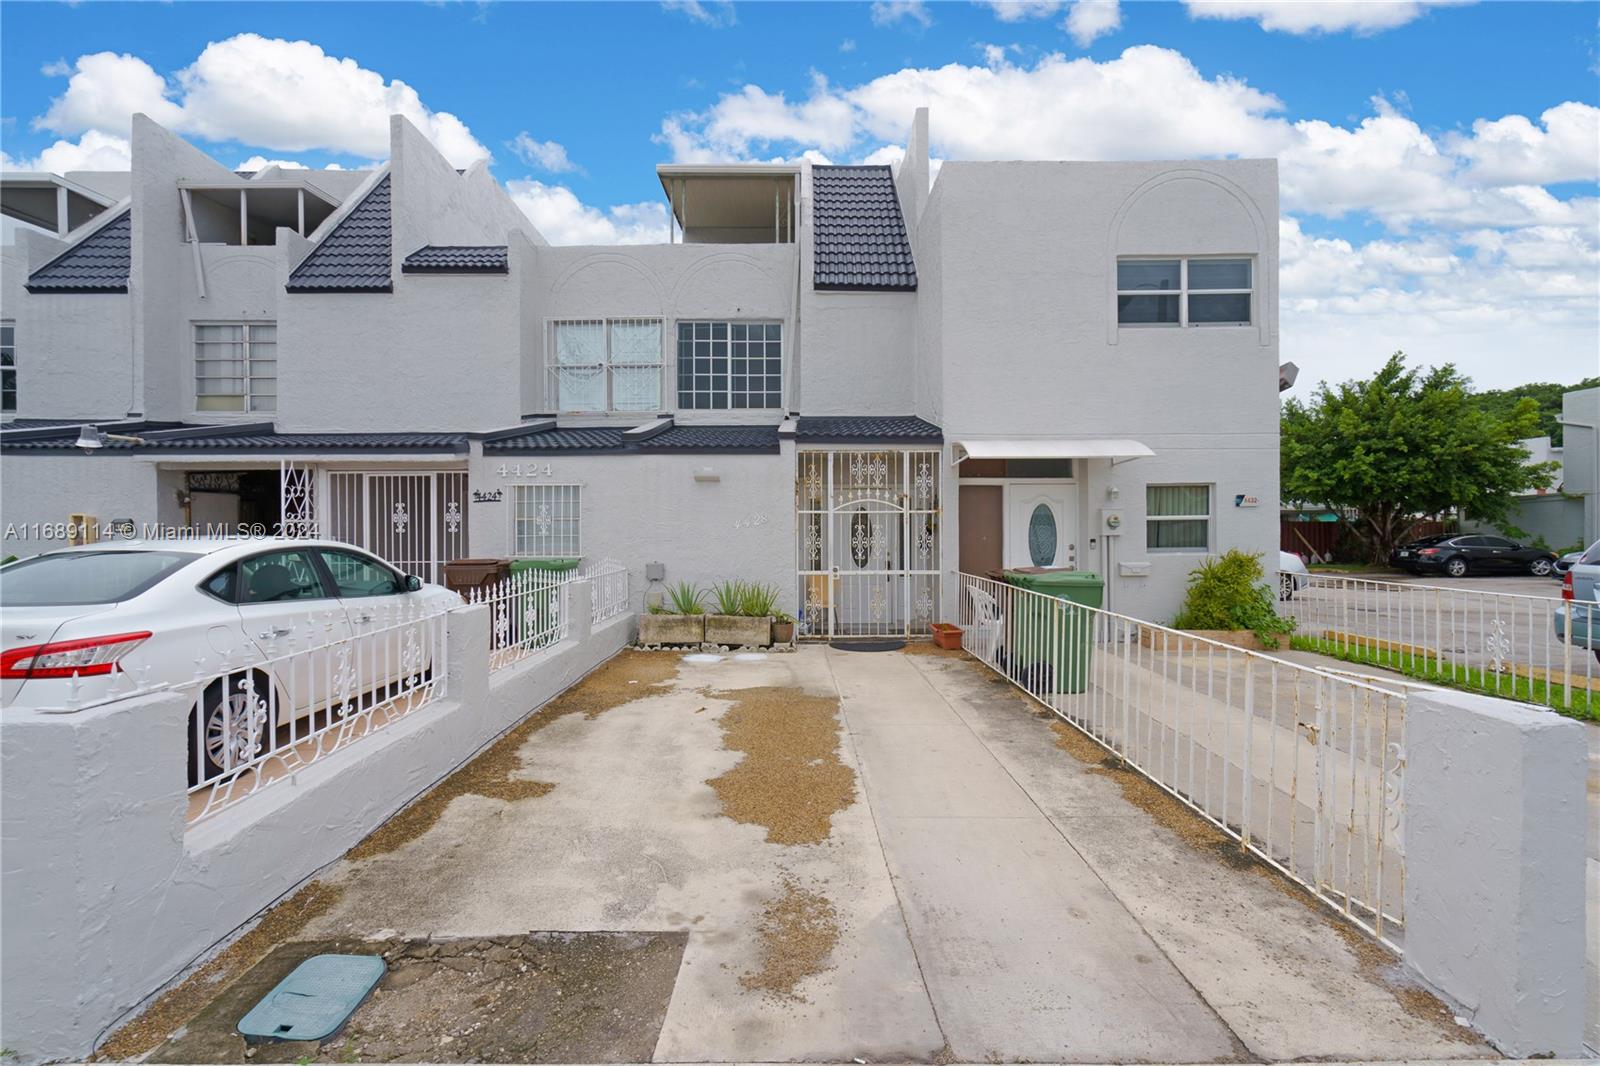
(1303, 767)
(259, 718)
(531, 609)
(1502, 644)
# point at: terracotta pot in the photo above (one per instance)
(783, 632)
(947, 636)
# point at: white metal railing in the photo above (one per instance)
(1303, 767)
(1504, 644)
(529, 611)
(259, 717)
(608, 588)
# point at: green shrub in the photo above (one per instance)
(1230, 592)
(728, 597)
(686, 599)
(760, 601)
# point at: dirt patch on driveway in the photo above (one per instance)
(790, 780)
(539, 997)
(173, 1008)
(628, 676)
(799, 929)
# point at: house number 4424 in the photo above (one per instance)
(525, 470)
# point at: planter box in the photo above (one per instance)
(947, 636)
(735, 630)
(1161, 640)
(672, 628)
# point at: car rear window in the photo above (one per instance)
(75, 578)
(1592, 556)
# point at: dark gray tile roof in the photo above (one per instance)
(694, 438)
(98, 263)
(691, 438)
(861, 242)
(355, 256)
(297, 443)
(457, 259)
(866, 429)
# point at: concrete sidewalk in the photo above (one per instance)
(985, 891)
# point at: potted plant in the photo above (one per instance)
(728, 624)
(681, 620)
(1229, 601)
(761, 601)
(782, 627)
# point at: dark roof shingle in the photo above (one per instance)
(861, 241)
(98, 263)
(691, 438)
(457, 259)
(866, 429)
(593, 439)
(694, 438)
(208, 439)
(355, 256)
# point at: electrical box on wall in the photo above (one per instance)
(1111, 521)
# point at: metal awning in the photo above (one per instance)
(1113, 448)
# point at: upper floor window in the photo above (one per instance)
(1184, 292)
(8, 366)
(236, 366)
(730, 365)
(607, 364)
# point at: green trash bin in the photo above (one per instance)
(1052, 640)
(533, 613)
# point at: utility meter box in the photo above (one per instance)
(1111, 521)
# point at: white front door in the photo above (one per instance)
(1041, 525)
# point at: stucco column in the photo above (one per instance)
(1495, 811)
(467, 652)
(580, 610)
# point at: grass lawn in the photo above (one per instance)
(1350, 568)
(1584, 705)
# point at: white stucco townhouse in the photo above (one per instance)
(833, 378)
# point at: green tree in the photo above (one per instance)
(1502, 402)
(1405, 444)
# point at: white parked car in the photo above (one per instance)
(1292, 575)
(87, 624)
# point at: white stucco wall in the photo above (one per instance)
(644, 508)
(45, 489)
(1027, 345)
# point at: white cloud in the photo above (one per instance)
(564, 219)
(260, 162)
(1564, 146)
(93, 151)
(1091, 19)
(710, 12)
(889, 12)
(260, 91)
(1318, 16)
(546, 155)
(847, 45)
(1018, 10)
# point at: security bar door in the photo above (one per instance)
(868, 542)
(417, 521)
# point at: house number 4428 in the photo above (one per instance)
(525, 470)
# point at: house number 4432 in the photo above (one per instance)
(525, 470)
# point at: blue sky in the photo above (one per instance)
(1405, 224)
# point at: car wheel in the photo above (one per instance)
(1285, 586)
(230, 728)
(1456, 567)
(1540, 567)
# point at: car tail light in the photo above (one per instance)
(1429, 551)
(1566, 586)
(89, 657)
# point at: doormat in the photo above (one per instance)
(868, 645)
(589, 997)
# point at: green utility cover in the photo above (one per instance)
(315, 1000)
(558, 565)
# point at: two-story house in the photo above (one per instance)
(837, 379)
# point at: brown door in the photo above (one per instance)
(981, 525)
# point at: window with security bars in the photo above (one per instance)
(607, 364)
(8, 366)
(1184, 292)
(236, 366)
(1178, 517)
(730, 366)
(547, 520)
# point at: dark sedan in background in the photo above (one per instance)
(1471, 553)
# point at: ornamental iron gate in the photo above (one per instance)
(868, 542)
(415, 520)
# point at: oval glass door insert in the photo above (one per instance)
(1042, 536)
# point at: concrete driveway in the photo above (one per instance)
(886, 856)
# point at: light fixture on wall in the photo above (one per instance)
(91, 439)
(1113, 493)
(707, 473)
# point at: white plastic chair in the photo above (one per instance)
(988, 624)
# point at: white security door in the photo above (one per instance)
(413, 520)
(1041, 525)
